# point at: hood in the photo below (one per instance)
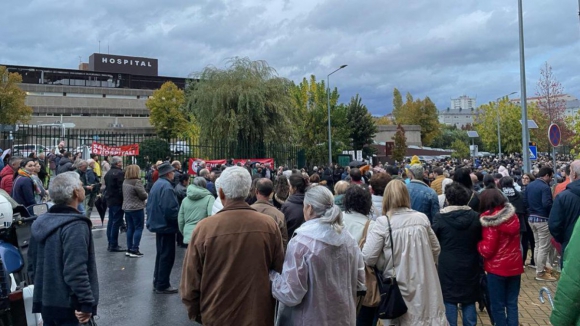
(459, 217)
(196, 193)
(503, 171)
(501, 217)
(7, 170)
(296, 199)
(64, 161)
(574, 187)
(47, 223)
(279, 200)
(323, 232)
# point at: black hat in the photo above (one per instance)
(165, 168)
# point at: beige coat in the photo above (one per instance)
(416, 250)
(225, 276)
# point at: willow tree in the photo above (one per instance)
(246, 103)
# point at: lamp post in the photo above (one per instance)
(498, 132)
(328, 106)
(525, 131)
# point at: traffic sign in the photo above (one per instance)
(533, 152)
(555, 135)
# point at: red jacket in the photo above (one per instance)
(7, 176)
(500, 244)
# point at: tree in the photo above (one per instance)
(460, 148)
(420, 112)
(245, 103)
(397, 101)
(550, 91)
(383, 121)
(166, 112)
(151, 150)
(310, 99)
(361, 126)
(573, 124)
(13, 106)
(400, 148)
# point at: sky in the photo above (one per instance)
(442, 49)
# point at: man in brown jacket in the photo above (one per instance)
(264, 188)
(225, 279)
(438, 182)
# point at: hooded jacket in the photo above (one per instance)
(309, 292)
(7, 178)
(564, 214)
(500, 244)
(293, 212)
(458, 230)
(62, 263)
(64, 165)
(517, 200)
(194, 208)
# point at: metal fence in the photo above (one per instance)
(27, 139)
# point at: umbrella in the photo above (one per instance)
(356, 164)
(101, 205)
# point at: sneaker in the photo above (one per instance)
(128, 253)
(135, 254)
(545, 277)
(531, 265)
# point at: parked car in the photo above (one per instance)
(179, 147)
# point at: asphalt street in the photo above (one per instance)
(126, 285)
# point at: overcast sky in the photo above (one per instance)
(441, 49)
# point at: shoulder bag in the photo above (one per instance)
(392, 304)
(372, 297)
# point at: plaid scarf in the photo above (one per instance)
(23, 173)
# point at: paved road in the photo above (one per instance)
(125, 286)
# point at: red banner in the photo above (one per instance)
(125, 150)
(195, 162)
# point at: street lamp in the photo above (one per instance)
(498, 132)
(328, 106)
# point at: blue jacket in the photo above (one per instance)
(62, 264)
(162, 208)
(23, 191)
(539, 198)
(565, 213)
(423, 199)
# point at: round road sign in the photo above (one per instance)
(554, 135)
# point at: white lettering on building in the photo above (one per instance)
(126, 62)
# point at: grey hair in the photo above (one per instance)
(575, 168)
(116, 160)
(322, 202)
(200, 182)
(62, 187)
(235, 182)
(80, 163)
(203, 173)
(417, 170)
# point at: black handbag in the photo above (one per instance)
(392, 304)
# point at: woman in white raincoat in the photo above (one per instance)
(416, 250)
(323, 269)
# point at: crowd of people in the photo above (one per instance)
(304, 247)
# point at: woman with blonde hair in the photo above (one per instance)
(339, 192)
(134, 196)
(323, 269)
(414, 270)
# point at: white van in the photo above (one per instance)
(26, 149)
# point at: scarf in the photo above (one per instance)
(23, 173)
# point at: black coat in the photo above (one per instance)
(293, 212)
(565, 213)
(458, 232)
(517, 200)
(114, 186)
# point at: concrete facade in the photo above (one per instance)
(457, 117)
(385, 134)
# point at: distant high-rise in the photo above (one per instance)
(460, 113)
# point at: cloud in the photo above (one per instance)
(440, 49)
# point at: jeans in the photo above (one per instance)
(367, 316)
(115, 221)
(542, 238)
(503, 294)
(528, 243)
(467, 310)
(164, 260)
(135, 221)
